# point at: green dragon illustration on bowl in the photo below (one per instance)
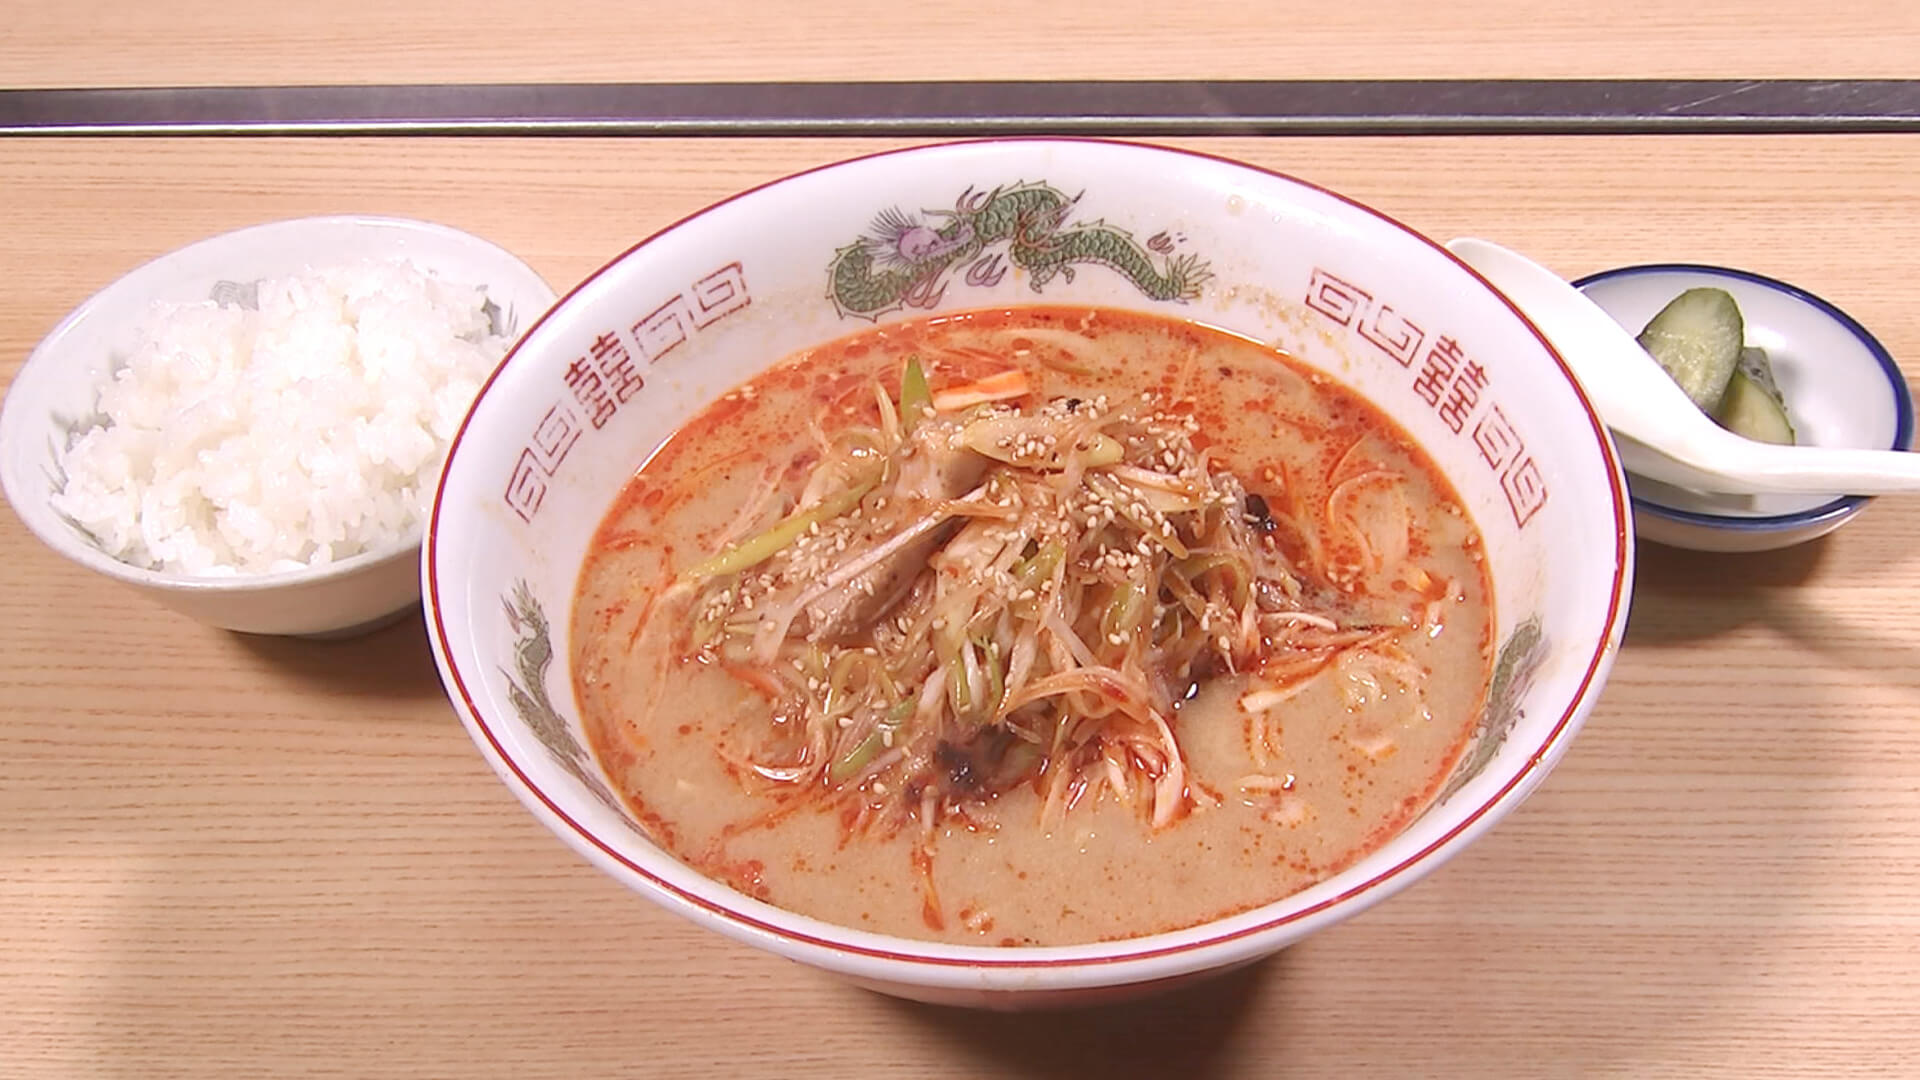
(907, 260)
(532, 655)
(1520, 658)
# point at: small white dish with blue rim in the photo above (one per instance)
(1841, 388)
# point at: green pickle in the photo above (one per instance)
(1699, 338)
(1753, 406)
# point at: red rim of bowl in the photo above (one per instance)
(983, 957)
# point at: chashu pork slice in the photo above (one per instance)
(938, 471)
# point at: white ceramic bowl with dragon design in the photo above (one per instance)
(700, 307)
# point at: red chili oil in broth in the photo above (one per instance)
(1000, 878)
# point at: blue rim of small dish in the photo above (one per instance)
(1841, 507)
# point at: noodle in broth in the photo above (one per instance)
(1032, 626)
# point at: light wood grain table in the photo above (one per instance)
(232, 856)
(216, 43)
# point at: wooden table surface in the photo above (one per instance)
(233, 856)
(215, 42)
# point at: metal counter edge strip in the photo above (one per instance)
(1325, 107)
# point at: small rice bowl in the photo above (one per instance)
(288, 423)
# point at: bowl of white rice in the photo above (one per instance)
(247, 429)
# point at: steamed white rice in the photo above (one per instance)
(238, 440)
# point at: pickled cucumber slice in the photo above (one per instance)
(1753, 406)
(1697, 338)
(1758, 366)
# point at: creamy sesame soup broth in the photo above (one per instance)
(1032, 627)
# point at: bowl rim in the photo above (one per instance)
(1114, 957)
(92, 557)
(1840, 508)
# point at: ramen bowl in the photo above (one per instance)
(611, 372)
